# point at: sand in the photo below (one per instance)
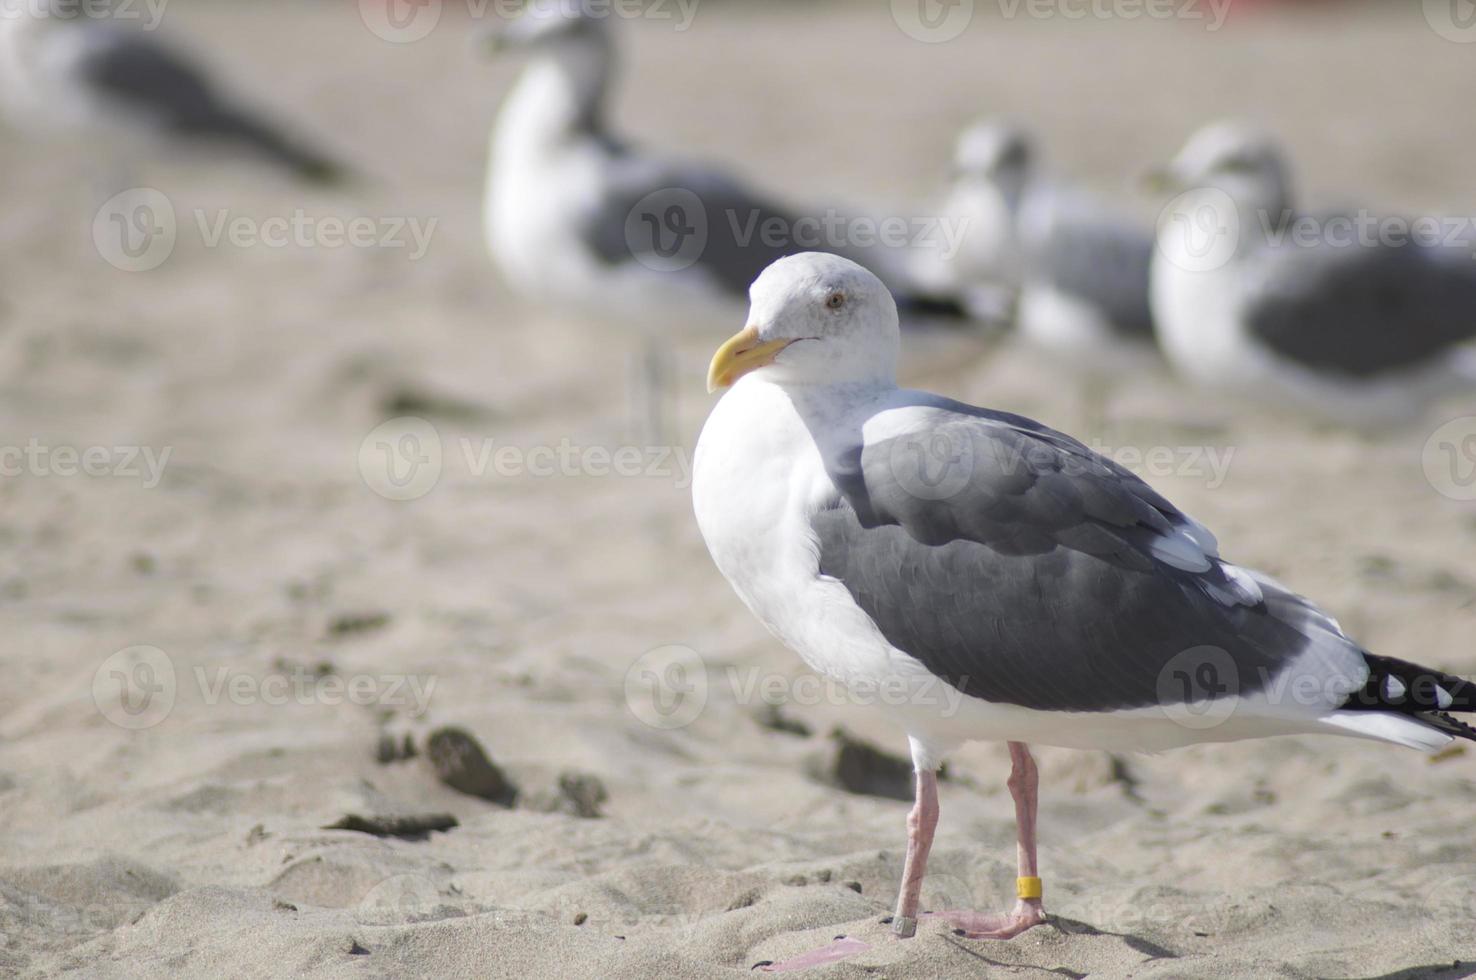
(285, 614)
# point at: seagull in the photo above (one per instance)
(907, 545)
(1360, 326)
(1078, 265)
(66, 74)
(577, 218)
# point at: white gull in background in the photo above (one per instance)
(898, 541)
(66, 74)
(578, 219)
(1250, 295)
(1079, 266)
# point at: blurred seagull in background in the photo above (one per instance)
(577, 218)
(1079, 268)
(1327, 312)
(63, 73)
(997, 578)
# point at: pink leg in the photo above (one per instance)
(1024, 785)
(921, 823)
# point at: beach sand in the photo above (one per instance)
(273, 615)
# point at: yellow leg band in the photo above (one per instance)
(1027, 887)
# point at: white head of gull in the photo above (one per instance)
(1322, 311)
(1078, 266)
(577, 219)
(980, 576)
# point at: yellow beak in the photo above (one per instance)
(740, 354)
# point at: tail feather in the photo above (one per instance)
(282, 149)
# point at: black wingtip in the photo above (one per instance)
(1408, 688)
(324, 173)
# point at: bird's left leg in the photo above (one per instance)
(1024, 788)
(1096, 402)
(652, 399)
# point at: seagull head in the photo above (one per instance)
(1241, 160)
(994, 150)
(814, 318)
(570, 26)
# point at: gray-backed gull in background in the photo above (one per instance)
(576, 218)
(897, 540)
(1079, 266)
(1362, 326)
(67, 74)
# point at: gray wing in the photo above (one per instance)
(158, 84)
(677, 217)
(1052, 578)
(673, 216)
(1362, 310)
(1085, 250)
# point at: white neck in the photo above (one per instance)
(559, 96)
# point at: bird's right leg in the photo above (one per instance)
(921, 822)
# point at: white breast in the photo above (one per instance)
(757, 480)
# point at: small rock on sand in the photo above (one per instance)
(461, 763)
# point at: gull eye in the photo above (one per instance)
(835, 301)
